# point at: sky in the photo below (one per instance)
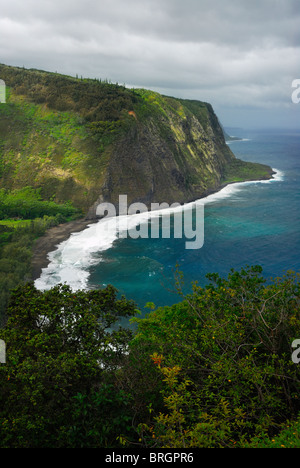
(242, 56)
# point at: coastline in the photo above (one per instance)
(58, 234)
(51, 239)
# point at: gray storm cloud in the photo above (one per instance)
(235, 54)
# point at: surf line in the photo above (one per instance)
(71, 261)
(136, 221)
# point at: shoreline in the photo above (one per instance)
(50, 240)
(54, 236)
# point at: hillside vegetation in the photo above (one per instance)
(214, 370)
(86, 141)
(67, 144)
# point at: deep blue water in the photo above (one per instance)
(258, 225)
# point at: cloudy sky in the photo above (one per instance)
(240, 55)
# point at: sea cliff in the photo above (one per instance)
(87, 141)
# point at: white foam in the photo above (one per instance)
(71, 261)
(228, 142)
(231, 189)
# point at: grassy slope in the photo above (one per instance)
(58, 133)
(48, 149)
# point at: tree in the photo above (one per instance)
(232, 341)
(63, 348)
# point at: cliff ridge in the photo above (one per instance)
(88, 141)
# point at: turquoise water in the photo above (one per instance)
(253, 224)
(258, 224)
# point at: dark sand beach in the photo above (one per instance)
(48, 243)
(54, 236)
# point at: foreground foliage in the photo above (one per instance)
(56, 388)
(228, 347)
(214, 370)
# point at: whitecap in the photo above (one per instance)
(229, 142)
(70, 263)
(235, 187)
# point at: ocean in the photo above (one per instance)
(253, 223)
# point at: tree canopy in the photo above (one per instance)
(214, 370)
(61, 347)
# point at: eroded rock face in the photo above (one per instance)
(174, 155)
(168, 157)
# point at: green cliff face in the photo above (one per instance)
(88, 141)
